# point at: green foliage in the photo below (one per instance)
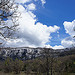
(60, 66)
(66, 64)
(8, 65)
(12, 65)
(17, 66)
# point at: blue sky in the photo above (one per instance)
(55, 12)
(43, 23)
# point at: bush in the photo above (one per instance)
(8, 65)
(17, 66)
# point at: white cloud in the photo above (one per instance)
(48, 46)
(31, 6)
(25, 1)
(68, 42)
(31, 34)
(70, 27)
(58, 47)
(55, 47)
(22, 1)
(53, 29)
(43, 2)
(21, 42)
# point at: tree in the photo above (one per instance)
(8, 18)
(48, 54)
(8, 65)
(18, 66)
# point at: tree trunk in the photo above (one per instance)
(47, 63)
(51, 66)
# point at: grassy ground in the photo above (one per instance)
(66, 74)
(22, 73)
(1, 73)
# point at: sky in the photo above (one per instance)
(45, 23)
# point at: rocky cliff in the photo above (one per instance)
(23, 53)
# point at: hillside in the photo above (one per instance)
(25, 53)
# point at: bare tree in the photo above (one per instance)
(8, 18)
(48, 54)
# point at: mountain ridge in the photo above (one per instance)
(25, 53)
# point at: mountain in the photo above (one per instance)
(68, 51)
(22, 53)
(25, 53)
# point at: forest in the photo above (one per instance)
(46, 64)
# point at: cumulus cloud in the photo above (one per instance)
(58, 47)
(70, 27)
(22, 1)
(25, 1)
(48, 46)
(31, 34)
(55, 47)
(43, 2)
(68, 42)
(31, 6)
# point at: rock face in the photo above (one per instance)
(22, 53)
(25, 53)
